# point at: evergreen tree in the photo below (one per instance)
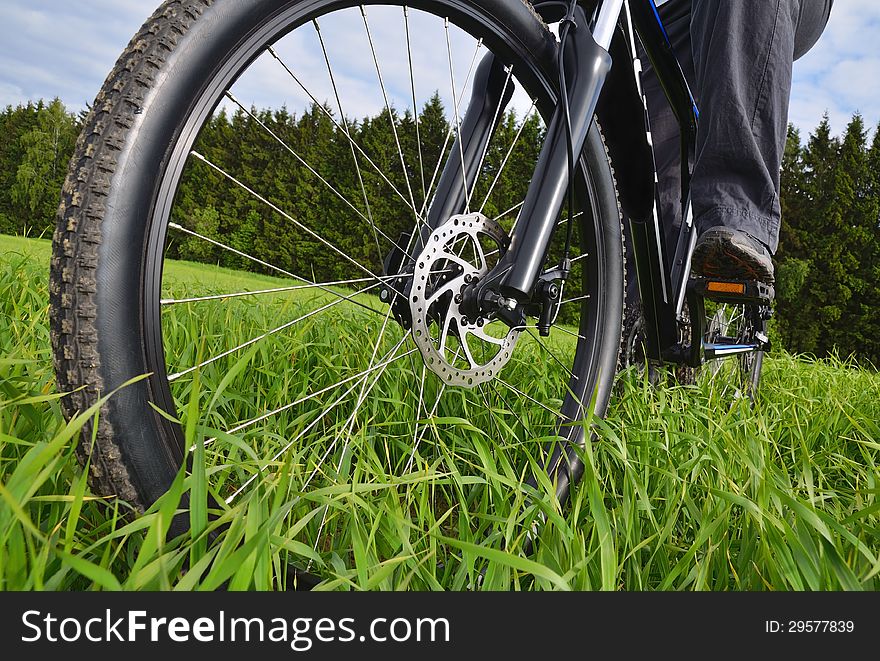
(836, 257)
(855, 208)
(868, 312)
(792, 198)
(791, 256)
(205, 221)
(802, 326)
(359, 199)
(434, 130)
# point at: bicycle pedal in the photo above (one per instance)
(732, 291)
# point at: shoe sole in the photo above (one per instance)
(718, 254)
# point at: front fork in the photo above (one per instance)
(586, 65)
(492, 90)
(515, 278)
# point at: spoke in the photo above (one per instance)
(418, 415)
(579, 257)
(255, 292)
(565, 330)
(519, 216)
(494, 125)
(366, 390)
(177, 375)
(286, 215)
(332, 188)
(349, 424)
(562, 221)
(256, 260)
(510, 408)
(481, 254)
(412, 82)
(347, 131)
(451, 130)
(531, 399)
(551, 354)
(359, 376)
(507, 155)
(430, 415)
(388, 108)
(467, 200)
(575, 299)
(511, 209)
(351, 140)
(312, 424)
(381, 279)
(384, 364)
(488, 406)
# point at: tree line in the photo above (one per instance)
(828, 262)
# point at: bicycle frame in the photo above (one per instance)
(593, 87)
(663, 281)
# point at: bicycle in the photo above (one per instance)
(436, 289)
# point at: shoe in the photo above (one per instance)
(729, 254)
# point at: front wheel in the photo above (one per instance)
(238, 187)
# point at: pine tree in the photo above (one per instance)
(792, 198)
(205, 221)
(14, 122)
(800, 324)
(868, 316)
(792, 263)
(858, 239)
(434, 130)
(837, 255)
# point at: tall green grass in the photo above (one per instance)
(680, 490)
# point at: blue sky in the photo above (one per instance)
(65, 48)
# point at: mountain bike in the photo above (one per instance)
(442, 293)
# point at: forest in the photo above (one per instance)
(828, 261)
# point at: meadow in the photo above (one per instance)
(681, 491)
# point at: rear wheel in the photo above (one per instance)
(734, 377)
(731, 377)
(288, 334)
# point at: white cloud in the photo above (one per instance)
(52, 48)
(10, 95)
(839, 74)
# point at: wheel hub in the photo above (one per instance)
(462, 349)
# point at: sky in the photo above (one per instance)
(65, 48)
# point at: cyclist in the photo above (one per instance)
(737, 57)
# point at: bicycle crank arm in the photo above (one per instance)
(586, 66)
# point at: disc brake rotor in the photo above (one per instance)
(461, 351)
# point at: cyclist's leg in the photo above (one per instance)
(743, 53)
(811, 23)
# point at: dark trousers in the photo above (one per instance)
(737, 56)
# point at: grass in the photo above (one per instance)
(680, 491)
